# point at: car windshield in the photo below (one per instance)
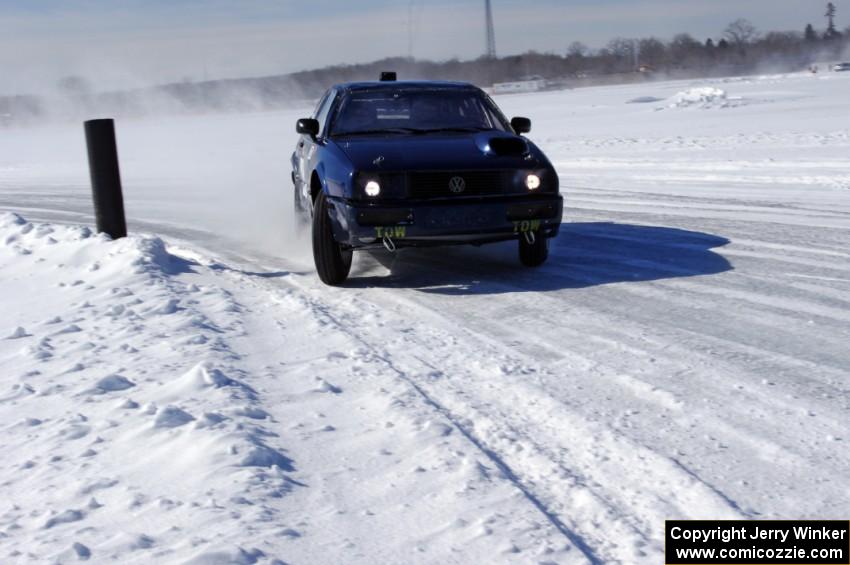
(409, 111)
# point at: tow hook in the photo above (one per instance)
(529, 237)
(388, 242)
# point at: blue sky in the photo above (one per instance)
(134, 42)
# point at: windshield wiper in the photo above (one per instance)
(416, 131)
(460, 129)
(376, 131)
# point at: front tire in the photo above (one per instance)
(333, 263)
(533, 254)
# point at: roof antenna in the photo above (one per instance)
(388, 76)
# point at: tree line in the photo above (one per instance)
(740, 49)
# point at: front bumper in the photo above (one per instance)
(444, 222)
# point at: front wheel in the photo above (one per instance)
(333, 263)
(533, 248)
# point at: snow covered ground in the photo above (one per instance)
(196, 395)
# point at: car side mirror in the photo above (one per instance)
(521, 125)
(307, 126)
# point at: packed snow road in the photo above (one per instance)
(681, 355)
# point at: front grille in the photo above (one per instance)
(475, 183)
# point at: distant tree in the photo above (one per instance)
(74, 86)
(577, 50)
(781, 41)
(621, 47)
(831, 32)
(710, 50)
(740, 33)
(684, 50)
(685, 41)
(652, 51)
(624, 52)
(723, 44)
(606, 62)
(810, 34)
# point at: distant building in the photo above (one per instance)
(529, 85)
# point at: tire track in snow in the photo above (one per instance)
(468, 413)
(430, 400)
(735, 359)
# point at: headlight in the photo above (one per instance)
(532, 182)
(373, 188)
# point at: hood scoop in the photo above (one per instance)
(507, 146)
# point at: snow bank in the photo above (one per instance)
(125, 420)
(703, 97)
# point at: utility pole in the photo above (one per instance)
(410, 29)
(491, 32)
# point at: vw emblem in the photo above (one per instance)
(457, 184)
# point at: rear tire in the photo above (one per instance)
(333, 263)
(533, 254)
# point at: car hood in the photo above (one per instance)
(439, 152)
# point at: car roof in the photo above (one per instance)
(406, 84)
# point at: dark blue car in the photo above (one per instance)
(418, 163)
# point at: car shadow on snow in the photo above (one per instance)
(583, 255)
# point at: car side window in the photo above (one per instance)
(320, 103)
(324, 109)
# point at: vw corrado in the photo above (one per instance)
(414, 163)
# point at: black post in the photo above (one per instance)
(105, 178)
